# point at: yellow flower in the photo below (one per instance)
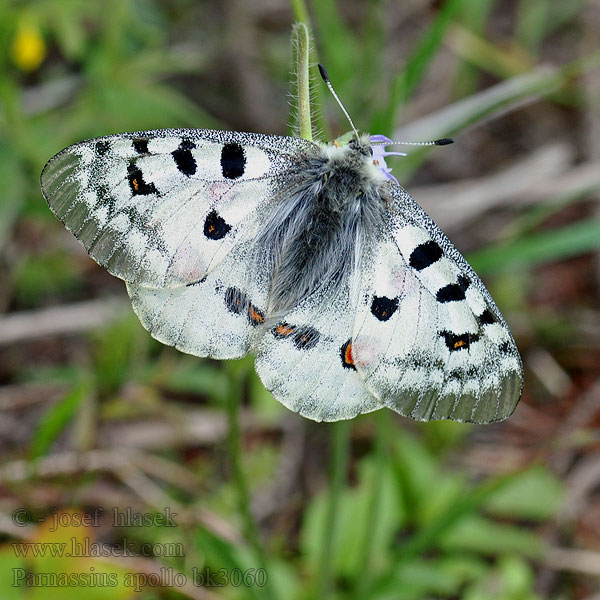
(28, 48)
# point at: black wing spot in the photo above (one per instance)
(453, 291)
(505, 348)
(306, 337)
(456, 375)
(136, 182)
(102, 147)
(383, 308)
(183, 158)
(199, 282)
(233, 161)
(215, 227)
(464, 282)
(486, 317)
(460, 341)
(346, 356)
(450, 293)
(236, 301)
(140, 146)
(425, 255)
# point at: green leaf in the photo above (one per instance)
(55, 419)
(513, 579)
(443, 435)
(220, 554)
(354, 505)
(53, 562)
(69, 31)
(421, 578)
(417, 472)
(535, 494)
(336, 42)
(475, 533)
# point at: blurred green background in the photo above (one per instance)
(97, 417)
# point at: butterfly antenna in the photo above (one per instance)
(326, 80)
(440, 142)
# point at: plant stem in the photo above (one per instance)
(300, 11)
(339, 466)
(365, 563)
(301, 44)
(304, 87)
(238, 375)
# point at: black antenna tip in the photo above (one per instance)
(444, 142)
(323, 73)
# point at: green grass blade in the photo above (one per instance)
(340, 433)
(337, 43)
(532, 18)
(473, 16)
(54, 421)
(404, 83)
(485, 105)
(542, 247)
(429, 535)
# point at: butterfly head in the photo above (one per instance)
(353, 159)
(372, 148)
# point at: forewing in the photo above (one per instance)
(305, 359)
(162, 208)
(429, 341)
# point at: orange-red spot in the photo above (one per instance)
(336, 144)
(348, 355)
(255, 316)
(304, 339)
(459, 344)
(284, 330)
(376, 162)
(136, 185)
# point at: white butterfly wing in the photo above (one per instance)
(428, 340)
(304, 361)
(162, 208)
(219, 316)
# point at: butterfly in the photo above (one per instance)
(310, 255)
